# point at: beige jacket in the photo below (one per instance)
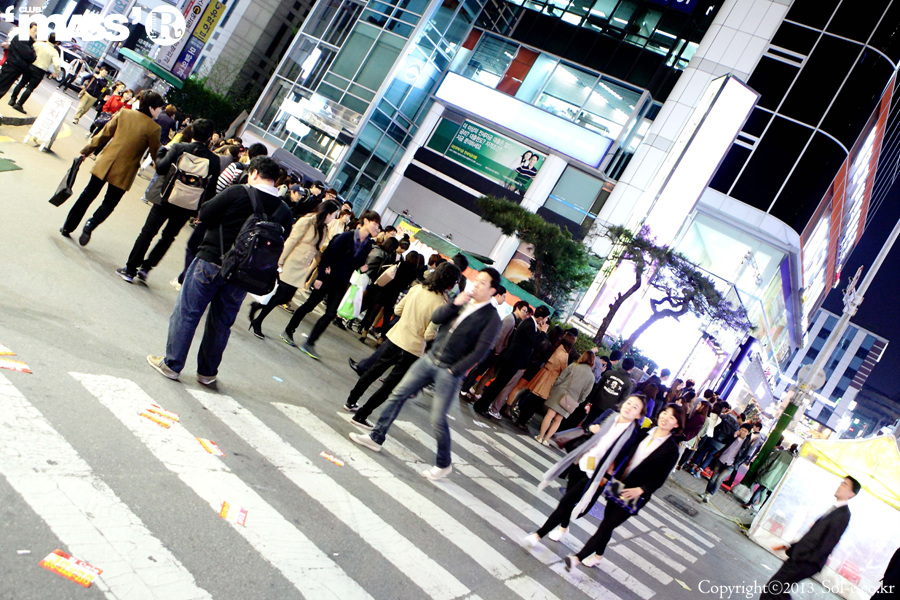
(47, 57)
(542, 382)
(300, 252)
(415, 327)
(124, 140)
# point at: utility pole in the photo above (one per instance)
(804, 387)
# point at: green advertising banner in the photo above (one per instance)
(488, 153)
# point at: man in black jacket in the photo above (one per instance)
(346, 253)
(469, 327)
(515, 358)
(807, 556)
(139, 262)
(19, 57)
(204, 286)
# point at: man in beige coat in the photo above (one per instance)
(122, 143)
(405, 342)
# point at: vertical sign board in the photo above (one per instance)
(46, 126)
(169, 55)
(204, 26)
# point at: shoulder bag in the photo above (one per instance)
(613, 490)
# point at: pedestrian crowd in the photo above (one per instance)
(438, 325)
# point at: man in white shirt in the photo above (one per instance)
(47, 60)
(732, 456)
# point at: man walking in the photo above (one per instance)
(47, 60)
(487, 367)
(204, 286)
(738, 451)
(468, 328)
(19, 56)
(88, 95)
(346, 253)
(807, 556)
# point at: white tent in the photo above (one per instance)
(807, 491)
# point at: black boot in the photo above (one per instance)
(19, 108)
(257, 330)
(85, 236)
(254, 308)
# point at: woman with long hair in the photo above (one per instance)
(538, 388)
(301, 250)
(121, 143)
(587, 468)
(388, 294)
(674, 392)
(694, 430)
(569, 390)
(641, 471)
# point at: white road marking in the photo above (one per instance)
(433, 579)
(633, 558)
(526, 451)
(656, 553)
(455, 532)
(662, 509)
(313, 573)
(610, 568)
(491, 440)
(86, 515)
(659, 525)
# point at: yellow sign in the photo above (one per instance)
(208, 21)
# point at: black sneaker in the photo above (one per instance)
(351, 408)
(363, 424)
(309, 350)
(354, 365)
(288, 338)
(121, 272)
(142, 275)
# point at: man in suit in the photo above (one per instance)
(807, 556)
(515, 358)
(469, 326)
(487, 367)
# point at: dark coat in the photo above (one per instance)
(465, 346)
(653, 471)
(815, 547)
(20, 54)
(521, 344)
(342, 257)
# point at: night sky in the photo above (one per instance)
(880, 311)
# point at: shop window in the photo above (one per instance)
(319, 21)
(490, 60)
(273, 102)
(343, 23)
(575, 196)
(355, 50)
(566, 91)
(537, 78)
(608, 107)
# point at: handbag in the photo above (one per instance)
(613, 493)
(351, 303)
(564, 437)
(64, 191)
(568, 403)
(386, 276)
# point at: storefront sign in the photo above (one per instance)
(192, 13)
(191, 52)
(488, 153)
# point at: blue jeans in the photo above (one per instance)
(706, 452)
(446, 389)
(203, 286)
(720, 472)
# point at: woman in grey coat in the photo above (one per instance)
(587, 468)
(569, 390)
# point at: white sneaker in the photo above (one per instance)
(174, 283)
(592, 561)
(364, 440)
(572, 562)
(557, 533)
(531, 540)
(435, 473)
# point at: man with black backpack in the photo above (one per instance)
(187, 175)
(229, 262)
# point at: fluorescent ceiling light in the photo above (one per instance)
(529, 121)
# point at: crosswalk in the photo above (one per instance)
(368, 526)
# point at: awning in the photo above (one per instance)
(152, 67)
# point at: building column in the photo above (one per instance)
(428, 124)
(535, 197)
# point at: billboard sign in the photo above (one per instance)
(488, 153)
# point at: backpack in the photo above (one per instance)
(252, 263)
(187, 182)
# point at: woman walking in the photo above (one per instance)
(405, 342)
(122, 143)
(643, 471)
(301, 250)
(538, 389)
(694, 430)
(587, 467)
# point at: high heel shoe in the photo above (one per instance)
(254, 308)
(257, 330)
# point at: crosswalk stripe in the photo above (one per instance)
(673, 547)
(625, 579)
(659, 525)
(509, 453)
(313, 573)
(433, 579)
(633, 558)
(697, 532)
(583, 582)
(526, 451)
(656, 553)
(547, 451)
(477, 549)
(60, 487)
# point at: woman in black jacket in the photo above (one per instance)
(647, 466)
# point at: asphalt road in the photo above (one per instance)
(82, 471)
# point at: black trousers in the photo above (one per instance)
(282, 295)
(90, 193)
(505, 371)
(779, 586)
(8, 75)
(174, 218)
(332, 292)
(577, 483)
(529, 403)
(613, 516)
(35, 76)
(392, 355)
(480, 369)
